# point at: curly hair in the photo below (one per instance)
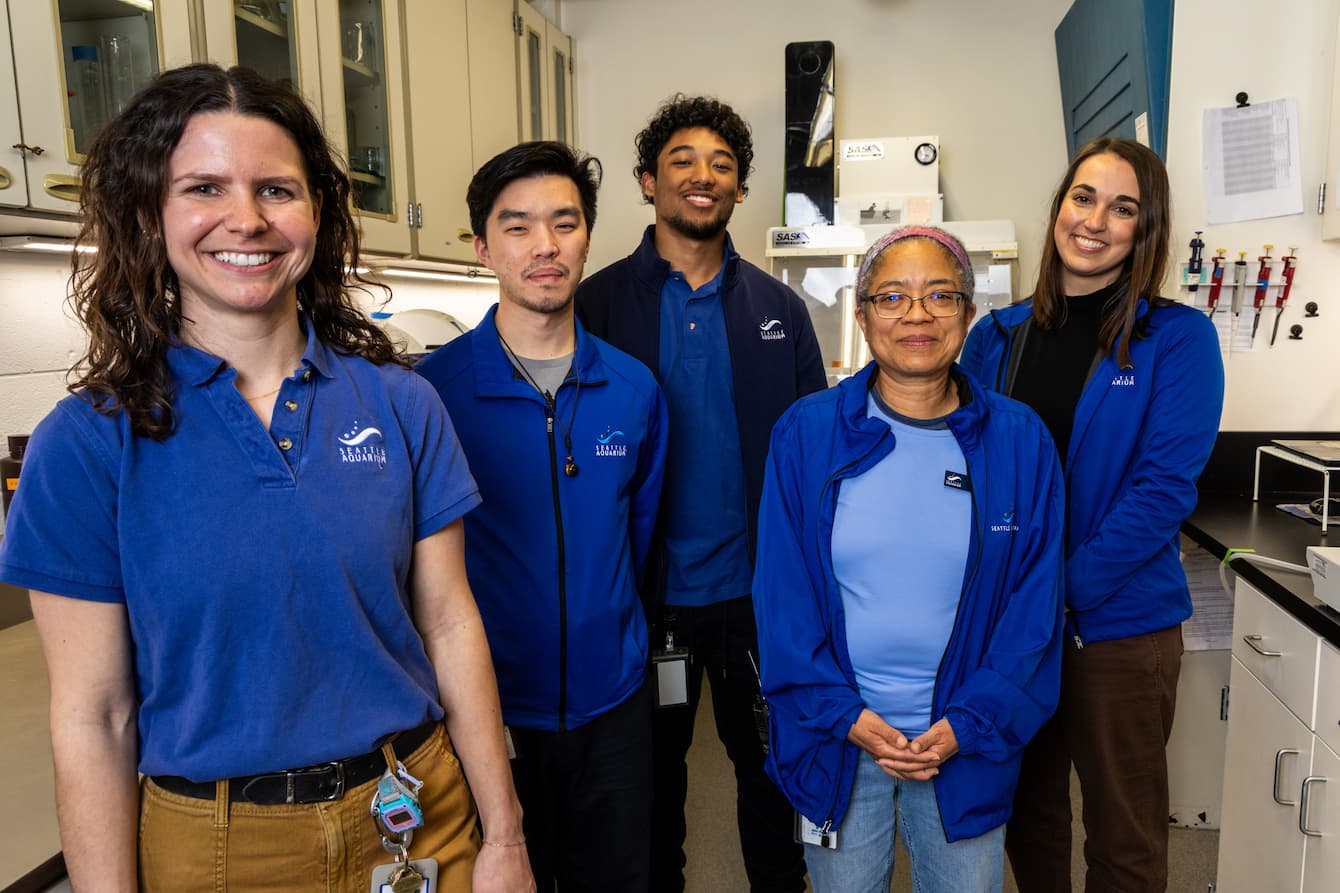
(126, 294)
(680, 112)
(1143, 270)
(533, 159)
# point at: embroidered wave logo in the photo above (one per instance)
(1006, 524)
(771, 330)
(611, 443)
(1123, 380)
(363, 446)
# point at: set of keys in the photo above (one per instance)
(395, 808)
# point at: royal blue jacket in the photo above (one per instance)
(555, 560)
(774, 353)
(999, 678)
(1140, 439)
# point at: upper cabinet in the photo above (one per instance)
(363, 84)
(278, 38)
(544, 78)
(75, 63)
(462, 111)
(416, 94)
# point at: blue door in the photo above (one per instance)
(1114, 59)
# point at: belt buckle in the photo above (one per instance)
(291, 779)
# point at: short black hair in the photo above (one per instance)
(537, 158)
(680, 112)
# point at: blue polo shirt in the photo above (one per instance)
(706, 541)
(264, 573)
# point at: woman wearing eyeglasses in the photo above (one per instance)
(907, 591)
(1131, 386)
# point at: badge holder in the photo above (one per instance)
(396, 811)
(811, 834)
(672, 673)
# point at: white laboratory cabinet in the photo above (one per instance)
(1281, 814)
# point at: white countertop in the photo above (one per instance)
(28, 833)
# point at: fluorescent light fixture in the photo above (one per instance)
(46, 244)
(436, 275)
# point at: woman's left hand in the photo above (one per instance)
(500, 869)
(927, 753)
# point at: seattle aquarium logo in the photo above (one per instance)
(609, 443)
(771, 330)
(363, 446)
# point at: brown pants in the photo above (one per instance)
(1113, 723)
(202, 845)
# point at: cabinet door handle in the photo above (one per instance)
(24, 147)
(62, 186)
(1252, 640)
(5, 180)
(1275, 787)
(1302, 810)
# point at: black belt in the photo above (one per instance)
(311, 784)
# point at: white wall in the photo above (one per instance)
(980, 74)
(1282, 50)
(38, 341)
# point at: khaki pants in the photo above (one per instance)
(187, 844)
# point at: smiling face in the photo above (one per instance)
(535, 240)
(697, 183)
(239, 221)
(1096, 224)
(918, 345)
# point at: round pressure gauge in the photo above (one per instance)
(926, 153)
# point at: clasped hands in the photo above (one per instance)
(919, 759)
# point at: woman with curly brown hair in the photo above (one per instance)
(263, 606)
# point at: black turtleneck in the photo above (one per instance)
(1055, 365)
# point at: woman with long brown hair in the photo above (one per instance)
(242, 534)
(1130, 385)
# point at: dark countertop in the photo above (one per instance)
(1222, 522)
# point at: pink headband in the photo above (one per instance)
(934, 233)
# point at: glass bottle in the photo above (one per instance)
(88, 88)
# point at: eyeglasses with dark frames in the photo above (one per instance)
(894, 305)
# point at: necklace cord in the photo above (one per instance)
(261, 396)
(570, 467)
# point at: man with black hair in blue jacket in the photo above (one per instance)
(733, 348)
(566, 438)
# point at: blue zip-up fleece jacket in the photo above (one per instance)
(1141, 437)
(771, 365)
(554, 560)
(999, 678)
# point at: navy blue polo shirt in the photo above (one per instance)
(706, 541)
(265, 573)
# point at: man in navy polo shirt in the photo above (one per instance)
(733, 348)
(566, 438)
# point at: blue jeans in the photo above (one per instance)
(863, 861)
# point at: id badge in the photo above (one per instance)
(389, 878)
(811, 834)
(672, 677)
